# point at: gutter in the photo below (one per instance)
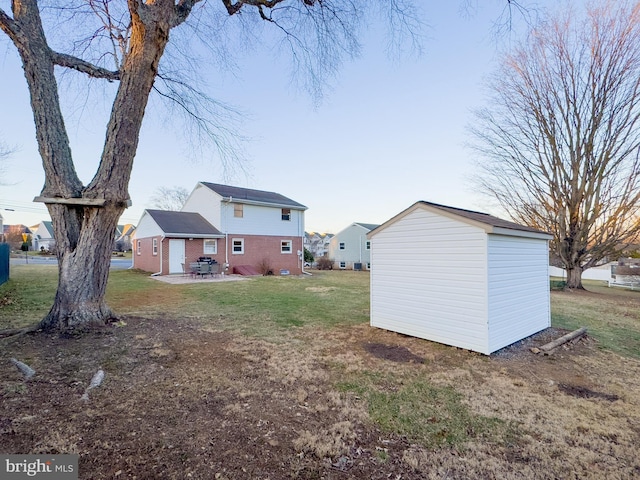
(160, 272)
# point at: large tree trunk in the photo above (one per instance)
(574, 278)
(84, 233)
(83, 273)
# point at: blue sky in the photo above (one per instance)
(388, 133)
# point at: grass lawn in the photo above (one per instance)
(282, 377)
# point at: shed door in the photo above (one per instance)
(176, 255)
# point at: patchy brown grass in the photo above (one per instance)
(194, 398)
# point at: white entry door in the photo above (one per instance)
(176, 255)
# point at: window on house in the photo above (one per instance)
(210, 247)
(237, 246)
(341, 245)
(286, 214)
(368, 245)
(285, 246)
(343, 265)
(238, 211)
(155, 246)
(138, 247)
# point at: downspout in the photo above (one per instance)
(302, 239)
(226, 234)
(160, 272)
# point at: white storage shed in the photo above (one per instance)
(459, 277)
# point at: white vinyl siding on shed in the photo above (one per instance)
(518, 281)
(429, 280)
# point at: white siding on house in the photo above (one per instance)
(206, 202)
(428, 279)
(518, 289)
(261, 220)
(255, 220)
(147, 227)
(355, 240)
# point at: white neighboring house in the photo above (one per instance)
(350, 248)
(317, 243)
(459, 277)
(42, 236)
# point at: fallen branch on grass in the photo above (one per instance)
(560, 341)
(25, 369)
(96, 380)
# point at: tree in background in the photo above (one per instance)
(308, 256)
(16, 236)
(124, 42)
(560, 140)
(166, 198)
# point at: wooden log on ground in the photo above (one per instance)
(564, 339)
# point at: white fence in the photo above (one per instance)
(602, 273)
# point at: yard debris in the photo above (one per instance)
(96, 380)
(25, 369)
(549, 347)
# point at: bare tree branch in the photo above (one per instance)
(80, 65)
(172, 199)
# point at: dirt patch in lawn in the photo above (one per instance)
(394, 353)
(180, 400)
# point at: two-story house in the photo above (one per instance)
(317, 243)
(350, 249)
(243, 229)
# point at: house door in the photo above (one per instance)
(176, 255)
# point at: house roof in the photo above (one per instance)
(184, 224)
(485, 221)
(368, 226)
(247, 195)
(49, 226)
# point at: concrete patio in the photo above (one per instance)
(181, 279)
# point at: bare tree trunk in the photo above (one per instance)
(83, 273)
(574, 278)
(84, 233)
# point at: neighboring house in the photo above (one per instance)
(317, 243)
(42, 236)
(459, 277)
(243, 228)
(350, 248)
(124, 237)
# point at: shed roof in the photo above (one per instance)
(184, 224)
(487, 222)
(248, 195)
